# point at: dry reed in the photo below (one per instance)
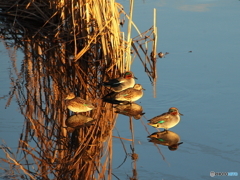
(69, 46)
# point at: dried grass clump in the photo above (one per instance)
(69, 46)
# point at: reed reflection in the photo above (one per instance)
(166, 138)
(67, 147)
(68, 50)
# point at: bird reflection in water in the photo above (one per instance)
(166, 138)
(78, 121)
(132, 110)
(77, 105)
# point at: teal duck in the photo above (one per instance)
(130, 94)
(121, 83)
(166, 120)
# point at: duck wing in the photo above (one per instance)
(84, 102)
(125, 94)
(160, 119)
(114, 82)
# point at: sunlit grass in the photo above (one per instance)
(69, 46)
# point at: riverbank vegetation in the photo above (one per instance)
(69, 46)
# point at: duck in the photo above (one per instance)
(121, 83)
(131, 94)
(166, 120)
(77, 104)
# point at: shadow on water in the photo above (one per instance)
(63, 53)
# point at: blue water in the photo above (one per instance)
(11, 121)
(204, 85)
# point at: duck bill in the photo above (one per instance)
(153, 125)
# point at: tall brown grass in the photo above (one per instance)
(68, 46)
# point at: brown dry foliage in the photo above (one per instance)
(69, 46)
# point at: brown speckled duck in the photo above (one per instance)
(130, 94)
(77, 104)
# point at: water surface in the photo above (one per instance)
(202, 84)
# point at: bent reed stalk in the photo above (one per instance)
(69, 46)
